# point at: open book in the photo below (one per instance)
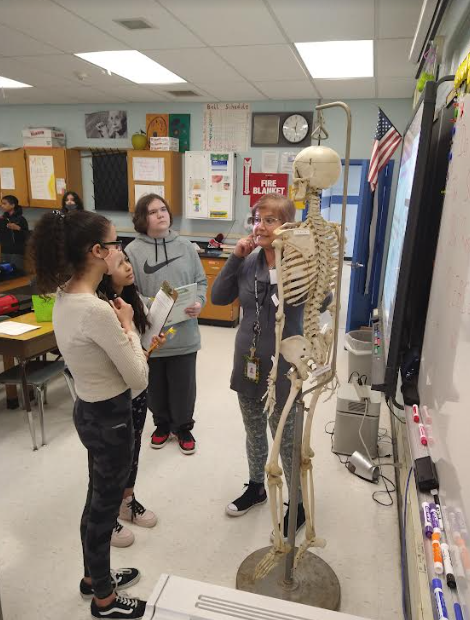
(158, 313)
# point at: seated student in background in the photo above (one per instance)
(121, 284)
(13, 232)
(156, 255)
(71, 201)
(71, 255)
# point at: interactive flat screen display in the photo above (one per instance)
(399, 222)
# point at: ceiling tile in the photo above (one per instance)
(126, 92)
(398, 18)
(196, 65)
(225, 22)
(232, 91)
(395, 87)
(22, 71)
(317, 20)
(297, 89)
(392, 58)
(14, 43)
(68, 67)
(55, 25)
(168, 32)
(263, 63)
(201, 94)
(361, 88)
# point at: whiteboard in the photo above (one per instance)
(444, 377)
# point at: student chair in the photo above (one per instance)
(38, 374)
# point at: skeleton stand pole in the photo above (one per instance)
(313, 582)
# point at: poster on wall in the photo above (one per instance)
(148, 169)
(41, 173)
(108, 124)
(180, 125)
(226, 127)
(262, 183)
(157, 125)
(7, 178)
(142, 190)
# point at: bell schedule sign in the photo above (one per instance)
(262, 183)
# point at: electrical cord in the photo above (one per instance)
(403, 547)
(393, 413)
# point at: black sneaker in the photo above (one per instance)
(122, 607)
(186, 442)
(121, 578)
(300, 521)
(255, 494)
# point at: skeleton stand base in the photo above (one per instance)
(313, 582)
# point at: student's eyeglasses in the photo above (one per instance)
(267, 221)
(106, 244)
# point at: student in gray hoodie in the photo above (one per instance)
(159, 254)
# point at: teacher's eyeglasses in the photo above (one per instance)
(267, 221)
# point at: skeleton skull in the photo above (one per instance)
(315, 167)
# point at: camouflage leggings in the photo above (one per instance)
(106, 430)
(255, 421)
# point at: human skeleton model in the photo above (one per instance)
(307, 264)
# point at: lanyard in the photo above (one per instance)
(256, 324)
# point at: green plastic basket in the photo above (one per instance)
(42, 307)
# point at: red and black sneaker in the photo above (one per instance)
(186, 442)
(159, 438)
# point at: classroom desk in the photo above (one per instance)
(9, 285)
(23, 348)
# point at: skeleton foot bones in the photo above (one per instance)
(307, 265)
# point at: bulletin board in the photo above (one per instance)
(209, 185)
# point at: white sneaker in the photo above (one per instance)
(133, 511)
(121, 536)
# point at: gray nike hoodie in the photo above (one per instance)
(175, 260)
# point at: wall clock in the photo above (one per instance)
(281, 128)
(295, 128)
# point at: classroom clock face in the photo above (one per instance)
(295, 128)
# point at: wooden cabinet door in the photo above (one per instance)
(170, 187)
(16, 159)
(49, 185)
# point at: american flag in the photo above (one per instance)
(386, 142)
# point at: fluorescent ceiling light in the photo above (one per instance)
(133, 66)
(338, 59)
(7, 83)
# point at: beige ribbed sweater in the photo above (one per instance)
(103, 359)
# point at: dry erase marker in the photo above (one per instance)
(457, 564)
(438, 508)
(461, 523)
(440, 602)
(437, 554)
(427, 520)
(458, 612)
(422, 435)
(448, 568)
(415, 410)
(426, 415)
(434, 518)
(454, 526)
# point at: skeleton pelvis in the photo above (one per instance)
(297, 350)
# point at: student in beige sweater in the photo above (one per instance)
(103, 352)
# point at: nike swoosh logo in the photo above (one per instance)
(153, 269)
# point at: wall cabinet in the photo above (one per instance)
(50, 172)
(227, 316)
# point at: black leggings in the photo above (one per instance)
(139, 413)
(106, 430)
